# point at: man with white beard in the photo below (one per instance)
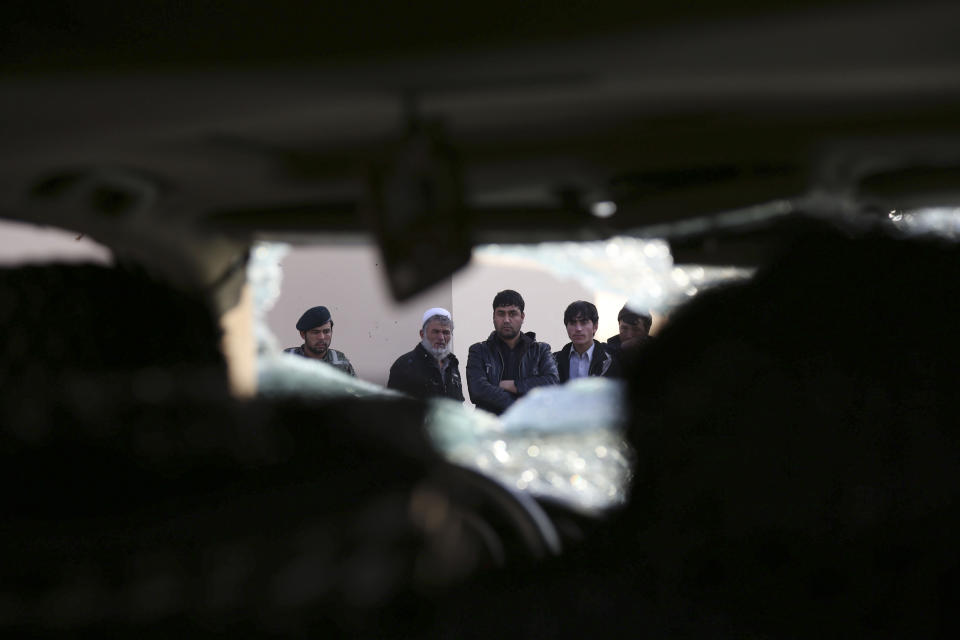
(430, 370)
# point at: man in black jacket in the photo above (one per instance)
(509, 363)
(584, 356)
(430, 370)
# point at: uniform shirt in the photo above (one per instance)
(331, 357)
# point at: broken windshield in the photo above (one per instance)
(561, 442)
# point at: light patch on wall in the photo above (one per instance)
(24, 243)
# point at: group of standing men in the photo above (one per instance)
(500, 369)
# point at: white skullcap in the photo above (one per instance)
(436, 311)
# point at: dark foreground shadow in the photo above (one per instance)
(798, 459)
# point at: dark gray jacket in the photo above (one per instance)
(485, 369)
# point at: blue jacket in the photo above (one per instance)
(485, 369)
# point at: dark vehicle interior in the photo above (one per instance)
(796, 438)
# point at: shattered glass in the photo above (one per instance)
(564, 442)
(942, 221)
(641, 270)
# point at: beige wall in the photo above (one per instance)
(26, 243)
(373, 330)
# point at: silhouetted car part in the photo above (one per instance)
(141, 495)
(666, 112)
(175, 148)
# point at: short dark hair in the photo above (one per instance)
(508, 298)
(631, 317)
(581, 309)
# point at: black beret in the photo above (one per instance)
(313, 318)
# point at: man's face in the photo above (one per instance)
(630, 331)
(581, 331)
(507, 322)
(317, 340)
(436, 338)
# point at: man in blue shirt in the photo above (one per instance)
(584, 356)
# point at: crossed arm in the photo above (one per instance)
(484, 393)
(503, 393)
(546, 371)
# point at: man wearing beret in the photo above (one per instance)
(430, 370)
(316, 329)
(584, 356)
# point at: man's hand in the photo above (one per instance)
(633, 342)
(508, 385)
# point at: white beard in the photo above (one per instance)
(439, 354)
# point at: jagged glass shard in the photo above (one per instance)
(640, 270)
(564, 442)
(265, 277)
(284, 374)
(942, 221)
(580, 405)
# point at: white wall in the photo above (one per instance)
(25, 243)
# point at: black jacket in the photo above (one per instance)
(416, 373)
(485, 369)
(613, 344)
(603, 363)
(627, 356)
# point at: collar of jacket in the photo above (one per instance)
(598, 350)
(526, 339)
